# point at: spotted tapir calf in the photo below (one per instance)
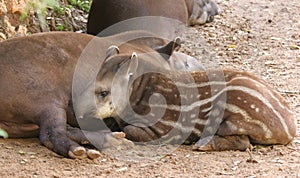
(36, 78)
(227, 109)
(105, 13)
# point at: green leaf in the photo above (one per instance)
(3, 133)
(232, 46)
(60, 27)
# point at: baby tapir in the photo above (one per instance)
(105, 13)
(36, 74)
(227, 109)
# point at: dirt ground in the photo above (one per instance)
(261, 36)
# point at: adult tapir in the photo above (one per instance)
(105, 13)
(36, 77)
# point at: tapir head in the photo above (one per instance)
(112, 86)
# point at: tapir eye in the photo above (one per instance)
(103, 94)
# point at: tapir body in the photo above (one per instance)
(216, 109)
(105, 13)
(36, 78)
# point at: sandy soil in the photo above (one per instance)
(261, 36)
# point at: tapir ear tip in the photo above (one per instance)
(133, 65)
(112, 50)
(114, 47)
(178, 40)
(133, 55)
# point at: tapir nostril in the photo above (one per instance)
(210, 19)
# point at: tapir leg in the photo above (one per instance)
(53, 134)
(220, 143)
(228, 137)
(65, 140)
(101, 139)
(139, 134)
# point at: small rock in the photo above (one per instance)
(3, 9)
(251, 161)
(21, 152)
(294, 47)
(212, 35)
(279, 161)
(234, 168)
(254, 176)
(122, 169)
(275, 39)
(24, 161)
(2, 37)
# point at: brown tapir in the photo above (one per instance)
(228, 109)
(105, 13)
(36, 77)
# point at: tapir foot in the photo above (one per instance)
(61, 144)
(67, 141)
(78, 152)
(71, 143)
(81, 152)
(115, 139)
(222, 143)
(98, 139)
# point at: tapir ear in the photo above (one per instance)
(112, 50)
(133, 65)
(167, 50)
(113, 66)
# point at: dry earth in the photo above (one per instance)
(261, 36)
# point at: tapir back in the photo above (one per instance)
(201, 103)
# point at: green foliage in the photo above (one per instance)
(39, 7)
(3, 133)
(81, 4)
(60, 10)
(60, 27)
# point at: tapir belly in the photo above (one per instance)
(16, 130)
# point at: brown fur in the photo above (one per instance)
(36, 86)
(253, 111)
(105, 13)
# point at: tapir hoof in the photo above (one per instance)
(116, 139)
(81, 152)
